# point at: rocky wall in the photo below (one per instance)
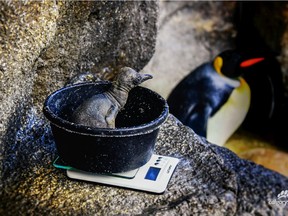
(45, 43)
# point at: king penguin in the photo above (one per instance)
(214, 98)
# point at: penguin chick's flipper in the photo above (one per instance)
(110, 118)
(198, 118)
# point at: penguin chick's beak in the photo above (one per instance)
(250, 62)
(145, 77)
(141, 78)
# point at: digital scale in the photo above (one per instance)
(152, 177)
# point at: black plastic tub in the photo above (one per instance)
(104, 150)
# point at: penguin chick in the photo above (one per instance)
(214, 99)
(101, 110)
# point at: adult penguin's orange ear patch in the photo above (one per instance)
(218, 63)
(249, 62)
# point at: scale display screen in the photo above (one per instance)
(152, 173)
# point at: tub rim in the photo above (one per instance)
(103, 132)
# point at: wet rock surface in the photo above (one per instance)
(45, 43)
(209, 180)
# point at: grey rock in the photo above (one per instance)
(190, 33)
(84, 77)
(44, 44)
(102, 109)
(209, 180)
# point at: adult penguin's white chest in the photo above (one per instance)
(230, 116)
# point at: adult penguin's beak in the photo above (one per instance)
(250, 62)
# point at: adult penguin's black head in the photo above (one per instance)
(231, 63)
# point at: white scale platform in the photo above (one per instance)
(153, 177)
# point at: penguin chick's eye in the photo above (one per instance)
(137, 81)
